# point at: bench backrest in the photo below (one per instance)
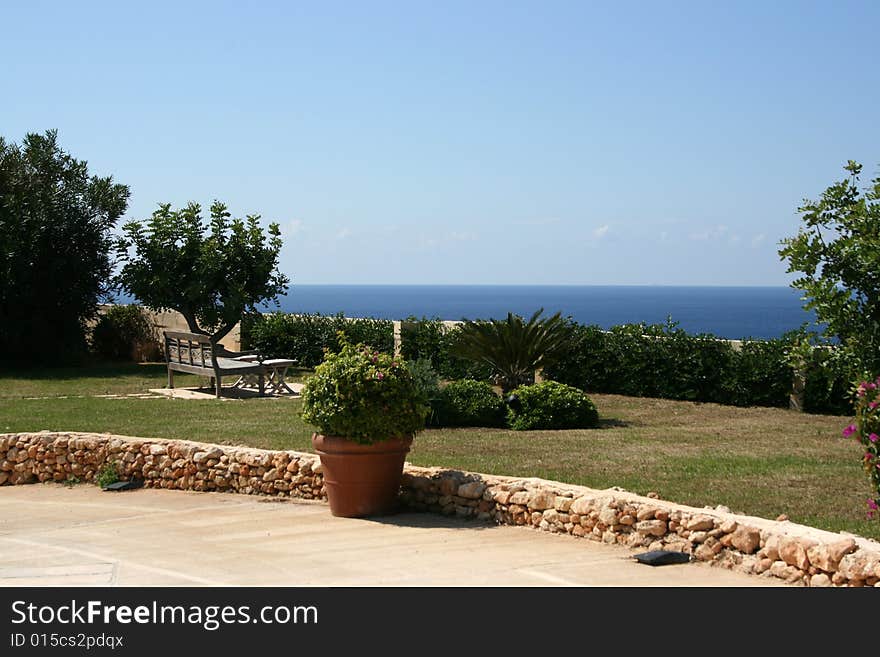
(189, 348)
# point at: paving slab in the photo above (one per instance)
(55, 535)
(227, 392)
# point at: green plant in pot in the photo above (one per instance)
(367, 408)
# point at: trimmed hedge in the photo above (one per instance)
(305, 337)
(430, 339)
(551, 405)
(666, 362)
(469, 403)
(632, 359)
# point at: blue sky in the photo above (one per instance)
(466, 142)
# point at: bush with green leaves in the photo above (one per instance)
(828, 380)
(645, 361)
(126, 333)
(759, 375)
(551, 405)
(427, 381)
(664, 361)
(866, 428)
(434, 340)
(514, 348)
(108, 474)
(56, 222)
(363, 395)
(306, 337)
(469, 403)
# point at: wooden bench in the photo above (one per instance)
(194, 353)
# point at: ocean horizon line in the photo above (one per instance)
(520, 285)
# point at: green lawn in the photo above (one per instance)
(760, 461)
(97, 379)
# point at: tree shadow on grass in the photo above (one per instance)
(612, 423)
(94, 369)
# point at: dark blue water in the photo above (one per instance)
(729, 312)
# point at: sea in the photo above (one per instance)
(727, 312)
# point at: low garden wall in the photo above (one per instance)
(795, 553)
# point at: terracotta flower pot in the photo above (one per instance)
(361, 480)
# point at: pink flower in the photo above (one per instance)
(872, 504)
(850, 430)
(873, 437)
(873, 405)
(380, 376)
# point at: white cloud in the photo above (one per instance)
(292, 227)
(709, 234)
(758, 239)
(601, 231)
(343, 234)
(465, 236)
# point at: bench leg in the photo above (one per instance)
(171, 379)
(262, 384)
(217, 386)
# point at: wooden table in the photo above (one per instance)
(275, 369)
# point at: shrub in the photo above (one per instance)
(514, 348)
(866, 429)
(588, 363)
(56, 242)
(646, 361)
(829, 380)
(664, 361)
(126, 333)
(363, 395)
(427, 381)
(551, 405)
(431, 339)
(760, 374)
(468, 403)
(108, 474)
(306, 337)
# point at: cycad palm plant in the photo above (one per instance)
(514, 348)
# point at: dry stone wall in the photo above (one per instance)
(797, 554)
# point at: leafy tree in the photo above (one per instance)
(55, 248)
(514, 348)
(837, 253)
(211, 273)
